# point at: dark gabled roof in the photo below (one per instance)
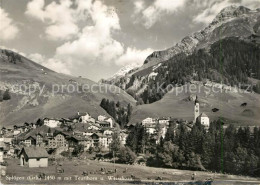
(104, 123)
(28, 136)
(35, 152)
(77, 116)
(42, 130)
(98, 134)
(203, 115)
(64, 133)
(79, 138)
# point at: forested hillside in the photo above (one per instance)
(231, 61)
(231, 150)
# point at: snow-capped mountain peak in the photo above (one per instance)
(124, 70)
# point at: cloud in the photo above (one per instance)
(139, 6)
(212, 8)
(95, 42)
(153, 13)
(8, 30)
(36, 57)
(60, 18)
(51, 63)
(133, 56)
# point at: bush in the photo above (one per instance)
(126, 155)
(78, 149)
(65, 154)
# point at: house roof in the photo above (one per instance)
(104, 123)
(35, 152)
(78, 115)
(28, 136)
(42, 130)
(99, 134)
(79, 138)
(203, 115)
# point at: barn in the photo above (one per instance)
(33, 157)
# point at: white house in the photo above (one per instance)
(151, 130)
(87, 118)
(16, 132)
(51, 122)
(203, 119)
(101, 117)
(108, 132)
(34, 157)
(123, 137)
(163, 121)
(109, 120)
(163, 131)
(148, 121)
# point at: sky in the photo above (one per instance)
(95, 38)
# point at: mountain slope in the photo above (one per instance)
(227, 51)
(33, 89)
(231, 21)
(182, 107)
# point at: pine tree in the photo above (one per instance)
(115, 144)
(6, 95)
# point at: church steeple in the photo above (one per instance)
(196, 109)
(196, 100)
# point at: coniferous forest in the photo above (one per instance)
(119, 112)
(230, 61)
(231, 150)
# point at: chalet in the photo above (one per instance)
(39, 139)
(30, 140)
(95, 138)
(51, 122)
(80, 140)
(101, 140)
(58, 140)
(105, 124)
(33, 157)
(89, 132)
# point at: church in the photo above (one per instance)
(202, 118)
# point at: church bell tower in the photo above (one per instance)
(196, 109)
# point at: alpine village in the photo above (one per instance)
(119, 136)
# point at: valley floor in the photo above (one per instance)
(134, 174)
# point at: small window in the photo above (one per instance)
(38, 159)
